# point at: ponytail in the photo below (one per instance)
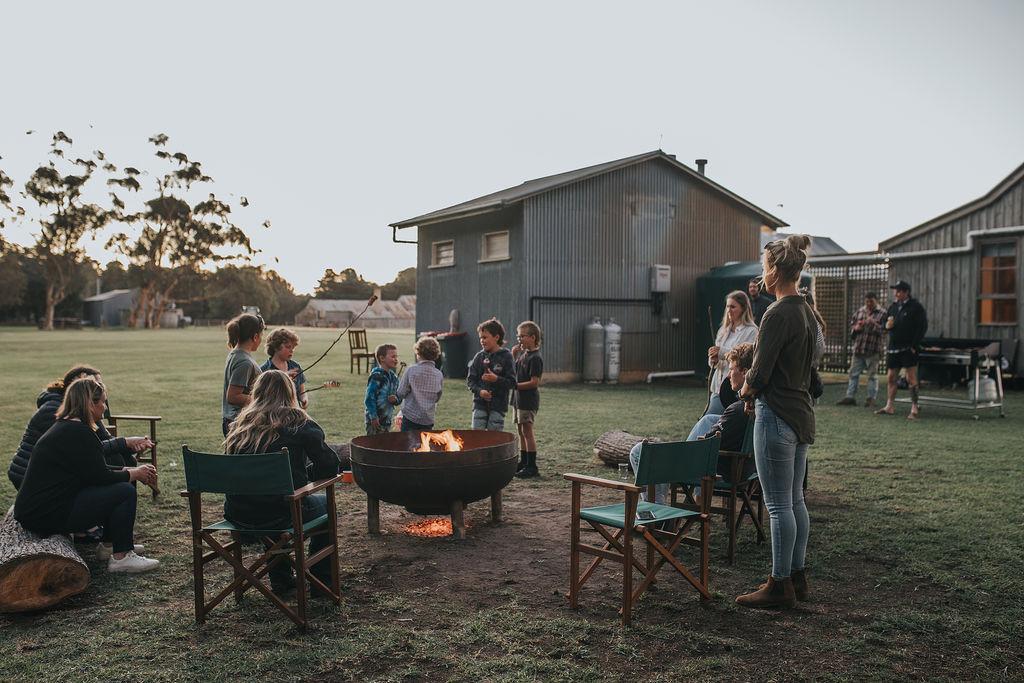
(787, 257)
(244, 327)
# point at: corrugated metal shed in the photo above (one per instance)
(820, 246)
(109, 309)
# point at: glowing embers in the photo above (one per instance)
(433, 527)
(447, 440)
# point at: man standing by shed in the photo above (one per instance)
(759, 302)
(907, 324)
(866, 329)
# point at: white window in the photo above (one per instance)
(442, 254)
(494, 246)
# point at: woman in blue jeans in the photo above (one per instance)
(272, 421)
(778, 385)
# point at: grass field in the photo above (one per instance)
(916, 551)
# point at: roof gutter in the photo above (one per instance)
(880, 257)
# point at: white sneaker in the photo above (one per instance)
(105, 550)
(132, 564)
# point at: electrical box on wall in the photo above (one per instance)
(661, 278)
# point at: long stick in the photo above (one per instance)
(711, 371)
(373, 298)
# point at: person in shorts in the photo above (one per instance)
(526, 399)
(906, 322)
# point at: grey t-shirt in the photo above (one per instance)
(241, 370)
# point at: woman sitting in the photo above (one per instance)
(271, 421)
(69, 488)
(737, 328)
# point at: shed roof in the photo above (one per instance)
(512, 195)
(970, 207)
(109, 295)
(820, 246)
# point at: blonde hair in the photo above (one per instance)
(274, 407)
(784, 260)
(78, 399)
(427, 348)
(532, 329)
(746, 317)
(279, 338)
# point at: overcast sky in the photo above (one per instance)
(861, 119)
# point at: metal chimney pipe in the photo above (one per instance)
(701, 163)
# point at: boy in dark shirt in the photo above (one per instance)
(526, 399)
(491, 377)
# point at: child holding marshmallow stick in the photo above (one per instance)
(491, 377)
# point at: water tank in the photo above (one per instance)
(593, 351)
(612, 351)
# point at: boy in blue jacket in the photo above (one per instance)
(492, 375)
(382, 391)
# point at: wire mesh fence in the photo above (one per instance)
(839, 290)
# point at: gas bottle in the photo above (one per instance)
(612, 351)
(593, 351)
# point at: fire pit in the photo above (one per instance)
(459, 468)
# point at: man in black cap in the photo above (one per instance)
(906, 324)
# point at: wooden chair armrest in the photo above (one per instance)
(146, 418)
(734, 455)
(315, 486)
(603, 483)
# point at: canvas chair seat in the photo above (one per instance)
(615, 515)
(225, 525)
(722, 484)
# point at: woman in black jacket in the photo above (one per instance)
(69, 487)
(271, 421)
(117, 452)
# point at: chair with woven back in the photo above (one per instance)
(359, 350)
(663, 528)
(740, 483)
(264, 474)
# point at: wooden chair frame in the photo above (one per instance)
(618, 546)
(112, 427)
(359, 350)
(276, 550)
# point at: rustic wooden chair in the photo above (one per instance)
(359, 350)
(112, 420)
(740, 484)
(264, 474)
(660, 463)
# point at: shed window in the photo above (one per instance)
(494, 246)
(442, 253)
(997, 295)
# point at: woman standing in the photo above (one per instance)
(779, 383)
(69, 488)
(240, 368)
(737, 328)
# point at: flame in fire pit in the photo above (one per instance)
(435, 527)
(446, 440)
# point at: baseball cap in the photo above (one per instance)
(901, 284)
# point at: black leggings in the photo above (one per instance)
(112, 507)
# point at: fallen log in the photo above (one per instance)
(37, 572)
(613, 447)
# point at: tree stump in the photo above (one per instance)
(613, 447)
(36, 572)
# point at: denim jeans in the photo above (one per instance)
(111, 506)
(715, 406)
(781, 466)
(703, 425)
(312, 507)
(491, 420)
(868, 364)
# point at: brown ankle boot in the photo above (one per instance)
(774, 593)
(800, 587)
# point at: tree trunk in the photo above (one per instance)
(51, 304)
(36, 573)
(141, 307)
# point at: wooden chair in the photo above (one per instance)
(359, 351)
(112, 421)
(264, 474)
(660, 463)
(740, 484)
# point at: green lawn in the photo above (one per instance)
(917, 550)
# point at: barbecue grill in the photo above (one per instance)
(959, 360)
(388, 468)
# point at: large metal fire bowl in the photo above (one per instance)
(387, 468)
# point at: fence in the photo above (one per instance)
(838, 292)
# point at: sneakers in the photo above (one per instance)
(105, 550)
(132, 564)
(846, 401)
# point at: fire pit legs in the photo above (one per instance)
(496, 507)
(372, 515)
(458, 521)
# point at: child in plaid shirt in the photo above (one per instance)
(381, 391)
(420, 387)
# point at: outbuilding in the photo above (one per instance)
(109, 309)
(626, 239)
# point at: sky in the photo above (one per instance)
(854, 120)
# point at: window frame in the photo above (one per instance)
(1014, 296)
(434, 263)
(484, 258)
